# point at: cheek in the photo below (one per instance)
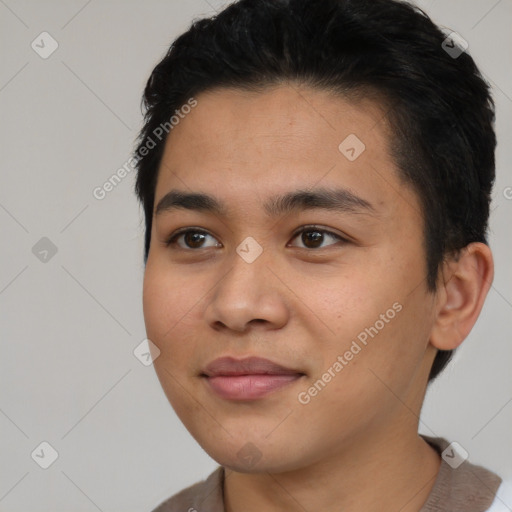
(168, 305)
(380, 324)
(156, 303)
(167, 297)
(396, 353)
(168, 318)
(349, 302)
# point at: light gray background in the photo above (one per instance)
(69, 326)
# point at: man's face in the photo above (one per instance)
(350, 317)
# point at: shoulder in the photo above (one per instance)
(461, 485)
(202, 496)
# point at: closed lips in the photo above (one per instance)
(229, 366)
(248, 379)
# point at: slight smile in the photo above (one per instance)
(247, 379)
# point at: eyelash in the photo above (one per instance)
(173, 238)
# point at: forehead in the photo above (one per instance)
(246, 145)
(273, 119)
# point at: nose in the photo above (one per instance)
(248, 293)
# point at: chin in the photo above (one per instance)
(246, 456)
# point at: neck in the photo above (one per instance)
(387, 471)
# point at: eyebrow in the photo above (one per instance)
(338, 199)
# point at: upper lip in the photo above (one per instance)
(247, 366)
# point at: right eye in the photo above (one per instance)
(193, 238)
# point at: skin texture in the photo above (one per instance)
(354, 446)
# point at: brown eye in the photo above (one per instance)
(192, 238)
(313, 237)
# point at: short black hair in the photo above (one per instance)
(437, 103)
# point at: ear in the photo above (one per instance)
(463, 287)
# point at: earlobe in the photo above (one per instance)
(463, 288)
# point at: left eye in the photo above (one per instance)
(312, 237)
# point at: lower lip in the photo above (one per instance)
(248, 387)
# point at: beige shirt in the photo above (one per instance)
(466, 488)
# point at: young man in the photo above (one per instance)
(316, 178)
